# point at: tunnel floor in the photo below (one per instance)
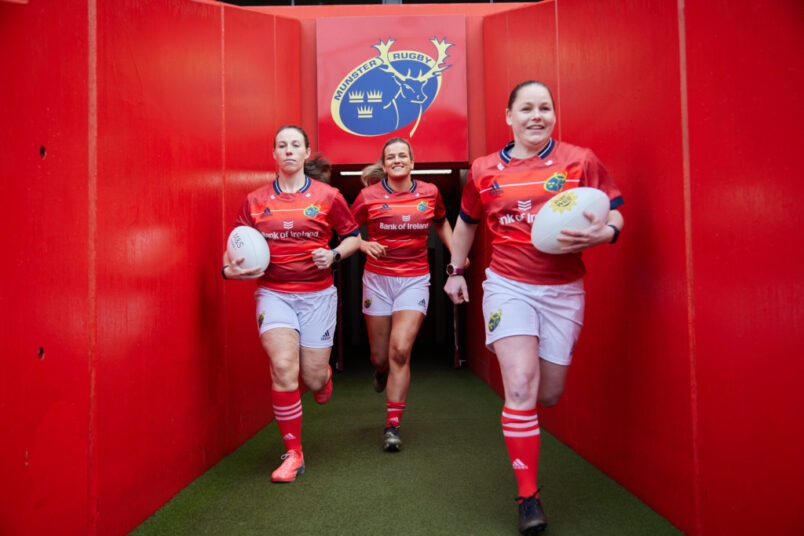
(452, 476)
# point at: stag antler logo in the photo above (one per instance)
(402, 98)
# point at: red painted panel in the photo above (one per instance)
(44, 401)
(360, 104)
(287, 75)
(627, 407)
(160, 376)
(526, 38)
(744, 67)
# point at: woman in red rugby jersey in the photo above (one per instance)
(532, 302)
(296, 300)
(398, 211)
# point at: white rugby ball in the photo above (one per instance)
(248, 242)
(565, 211)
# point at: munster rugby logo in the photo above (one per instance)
(312, 211)
(389, 91)
(555, 182)
(494, 320)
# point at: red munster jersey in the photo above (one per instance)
(295, 224)
(400, 221)
(510, 191)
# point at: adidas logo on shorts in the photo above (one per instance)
(288, 436)
(519, 465)
(422, 302)
(326, 336)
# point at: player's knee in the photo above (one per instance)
(549, 397)
(284, 373)
(399, 353)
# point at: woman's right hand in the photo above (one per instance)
(236, 271)
(456, 289)
(375, 250)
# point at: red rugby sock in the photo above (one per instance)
(521, 433)
(288, 413)
(395, 411)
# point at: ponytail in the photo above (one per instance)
(318, 168)
(372, 174)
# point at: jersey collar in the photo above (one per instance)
(304, 188)
(505, 152)
(392, 191)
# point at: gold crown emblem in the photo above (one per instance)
(356, 96)
(374, 96)
(364, 112)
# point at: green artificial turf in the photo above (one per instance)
(452, 476)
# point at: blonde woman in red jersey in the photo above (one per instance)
(296, 300)
(532, 302)
(398, 211)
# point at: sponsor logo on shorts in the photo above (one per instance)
(367, 303)
(260, 319)
(288, 436)
(422, 207)
(326, 336)
(312, 211)
(494, 320)
(555, 182)
(422, 302)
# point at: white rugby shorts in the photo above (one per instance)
(384, 294)
(312, 314)
(553, 313)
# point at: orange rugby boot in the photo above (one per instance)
(292, 466)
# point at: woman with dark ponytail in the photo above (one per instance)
(296, 300)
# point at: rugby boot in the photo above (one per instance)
(531, 515)
(392, 441)
(292, 466)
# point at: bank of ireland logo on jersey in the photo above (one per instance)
(390, 90)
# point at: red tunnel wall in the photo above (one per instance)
(44, 403)
(135, 397)
(119, 278)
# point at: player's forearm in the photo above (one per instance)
(462, 238)
(348, 245)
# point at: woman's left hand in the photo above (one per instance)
(594, 235)
(323, 257)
